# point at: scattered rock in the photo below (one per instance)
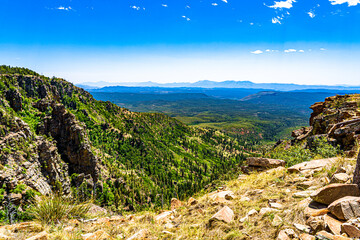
(333, 224)
(276, 205)
(244, 219)
(323, 235)
(316, 224)
(97, 210)
(302, 228)
(252, 213)
(277, 221)
(264, 211)
(333, 192)
(41, 236)
(143, 233)
(225, 215)
(351, 230)
(163, 216)
(192, 201)
(303, 194)
(265, 162)
(311, 165)
(340, 178)
(227, 195)
(306, 184)
(175, 203)
(346, 208)
(286, 234)
(244, 199)
(305, 236)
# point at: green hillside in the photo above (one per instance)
(132, 160)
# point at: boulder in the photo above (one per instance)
(333, 224)
(333, 192)
(311, 165)
(175, 203)
(224, 215)
(340, 178)
(276, 205)
(351, 230)
(346, 208)
(265, 162)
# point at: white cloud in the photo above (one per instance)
(64, 8)
(187, 6)
(251, 24)
(311, 14)
(257, 52)
(164, 5)
(301, 51)
(214, 4)
(225, 1)
(349, 2)
(135, 7)
(323, 49)
(186, 18)
(290, 50)
(276, 20)
(283, 4)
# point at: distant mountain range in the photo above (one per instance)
(213, 84)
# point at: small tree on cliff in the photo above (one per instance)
(357, 172)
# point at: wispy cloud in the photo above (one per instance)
(257, 52)
(276, 20)
(64, 8)
(311, 14)
(137, 8)
(214, 4)
(290, 50)
(349, 2)
(164, 5)
(225, 1)
(283, 4)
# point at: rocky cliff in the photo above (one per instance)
(337, 119)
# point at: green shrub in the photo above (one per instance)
(19, 188)
(54, 209)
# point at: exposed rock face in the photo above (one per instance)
(37, 165)
(333, 192)
(72, 141)
(356, 179)
(337, 119)
(14, 98)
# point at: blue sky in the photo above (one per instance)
(302, 41)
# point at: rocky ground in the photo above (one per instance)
(312, 200)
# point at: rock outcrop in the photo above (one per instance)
(337, 119)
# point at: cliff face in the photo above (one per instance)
(337, 119)
(57, 137)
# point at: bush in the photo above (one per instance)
(54, 209)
